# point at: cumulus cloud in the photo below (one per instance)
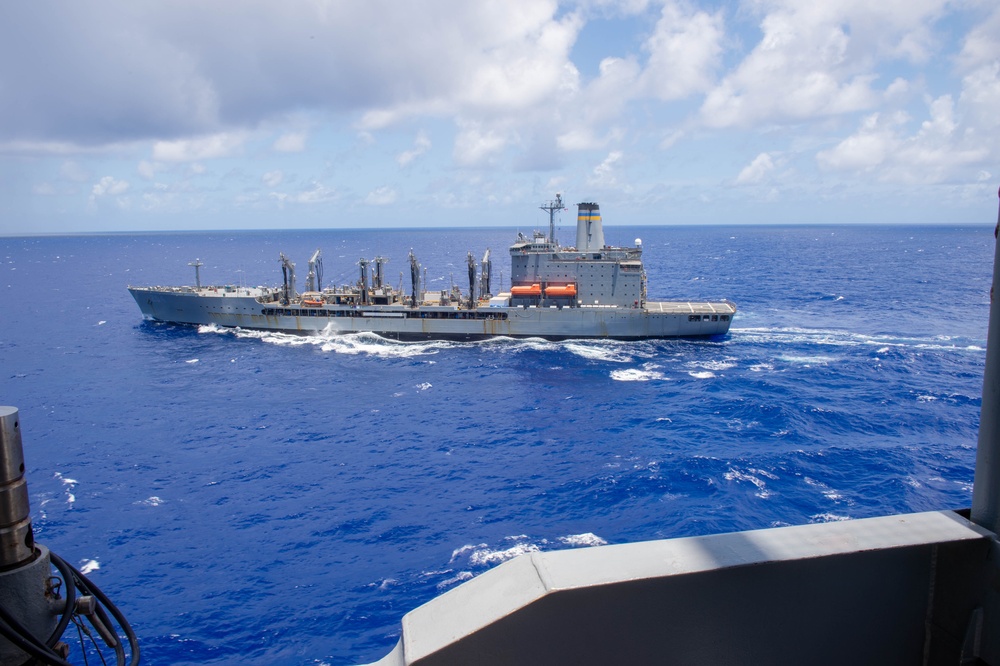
(477, 144)
(420, 146)
(818, 59)
(684, 52)
(223, 144)
(931, 154)
(293, 142)
(382, 196)
(109, 185)
(606, 175)
(756, 171)
(153, 72)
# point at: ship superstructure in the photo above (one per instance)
(590, 290)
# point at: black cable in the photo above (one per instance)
(25, 641)
(88, 586)
(68, 581)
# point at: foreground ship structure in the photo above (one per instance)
(588, 291)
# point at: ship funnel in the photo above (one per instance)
(589, 232)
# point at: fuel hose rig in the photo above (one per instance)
(37, 604)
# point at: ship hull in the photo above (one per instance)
(242, 308)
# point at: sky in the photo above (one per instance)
(246, 114)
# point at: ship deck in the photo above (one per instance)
(691, 307)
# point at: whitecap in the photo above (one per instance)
(585, 539)
(424, 386)
(827, 518)
(487, 557)
(102, 322)
(736, 475)
(598, 352)
(65, 479)
(636, 375)
(192, 361)
(458, 552)
(724, 364)
(460, 577)
(705, 374)
(89, 566)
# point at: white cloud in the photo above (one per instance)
(293, 142)
(477, 145)
(74, 172)
(109, 186)
(420, 146)
(982, 45)
(818, 59)
(314, 194)
(942, 147)
(756, 171)
(684, 52)
(606, 174)
(202, 148)
(273, 178)
(869, 147)
(382, 196)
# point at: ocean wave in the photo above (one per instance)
(598, 352)
(637, 375)
(588, 539)
(845, 338)
(483, 555)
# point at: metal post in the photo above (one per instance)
(17, 543)
(25, 567)
(986, 487)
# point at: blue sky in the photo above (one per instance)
(333, 113)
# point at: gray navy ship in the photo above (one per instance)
(587, 291)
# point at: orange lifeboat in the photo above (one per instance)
(311, 299)
(561, 291)
(526, 290)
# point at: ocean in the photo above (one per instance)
(261, 498)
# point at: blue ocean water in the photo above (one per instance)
(274, 499)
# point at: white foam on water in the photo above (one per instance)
(587, 539)
(704, 374)
(636, 375)
(89, 566)
(70, 484)
(460, 577)
(488, 557)
(598, 352)
(750, 477)
(827, 518)
(458, 552)
(192, 361)
(718, 366)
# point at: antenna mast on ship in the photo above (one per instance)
(197, 271)
(551, 207)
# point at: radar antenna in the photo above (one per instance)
(551, 207)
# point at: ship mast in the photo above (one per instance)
(551, 207)
(197, 271)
